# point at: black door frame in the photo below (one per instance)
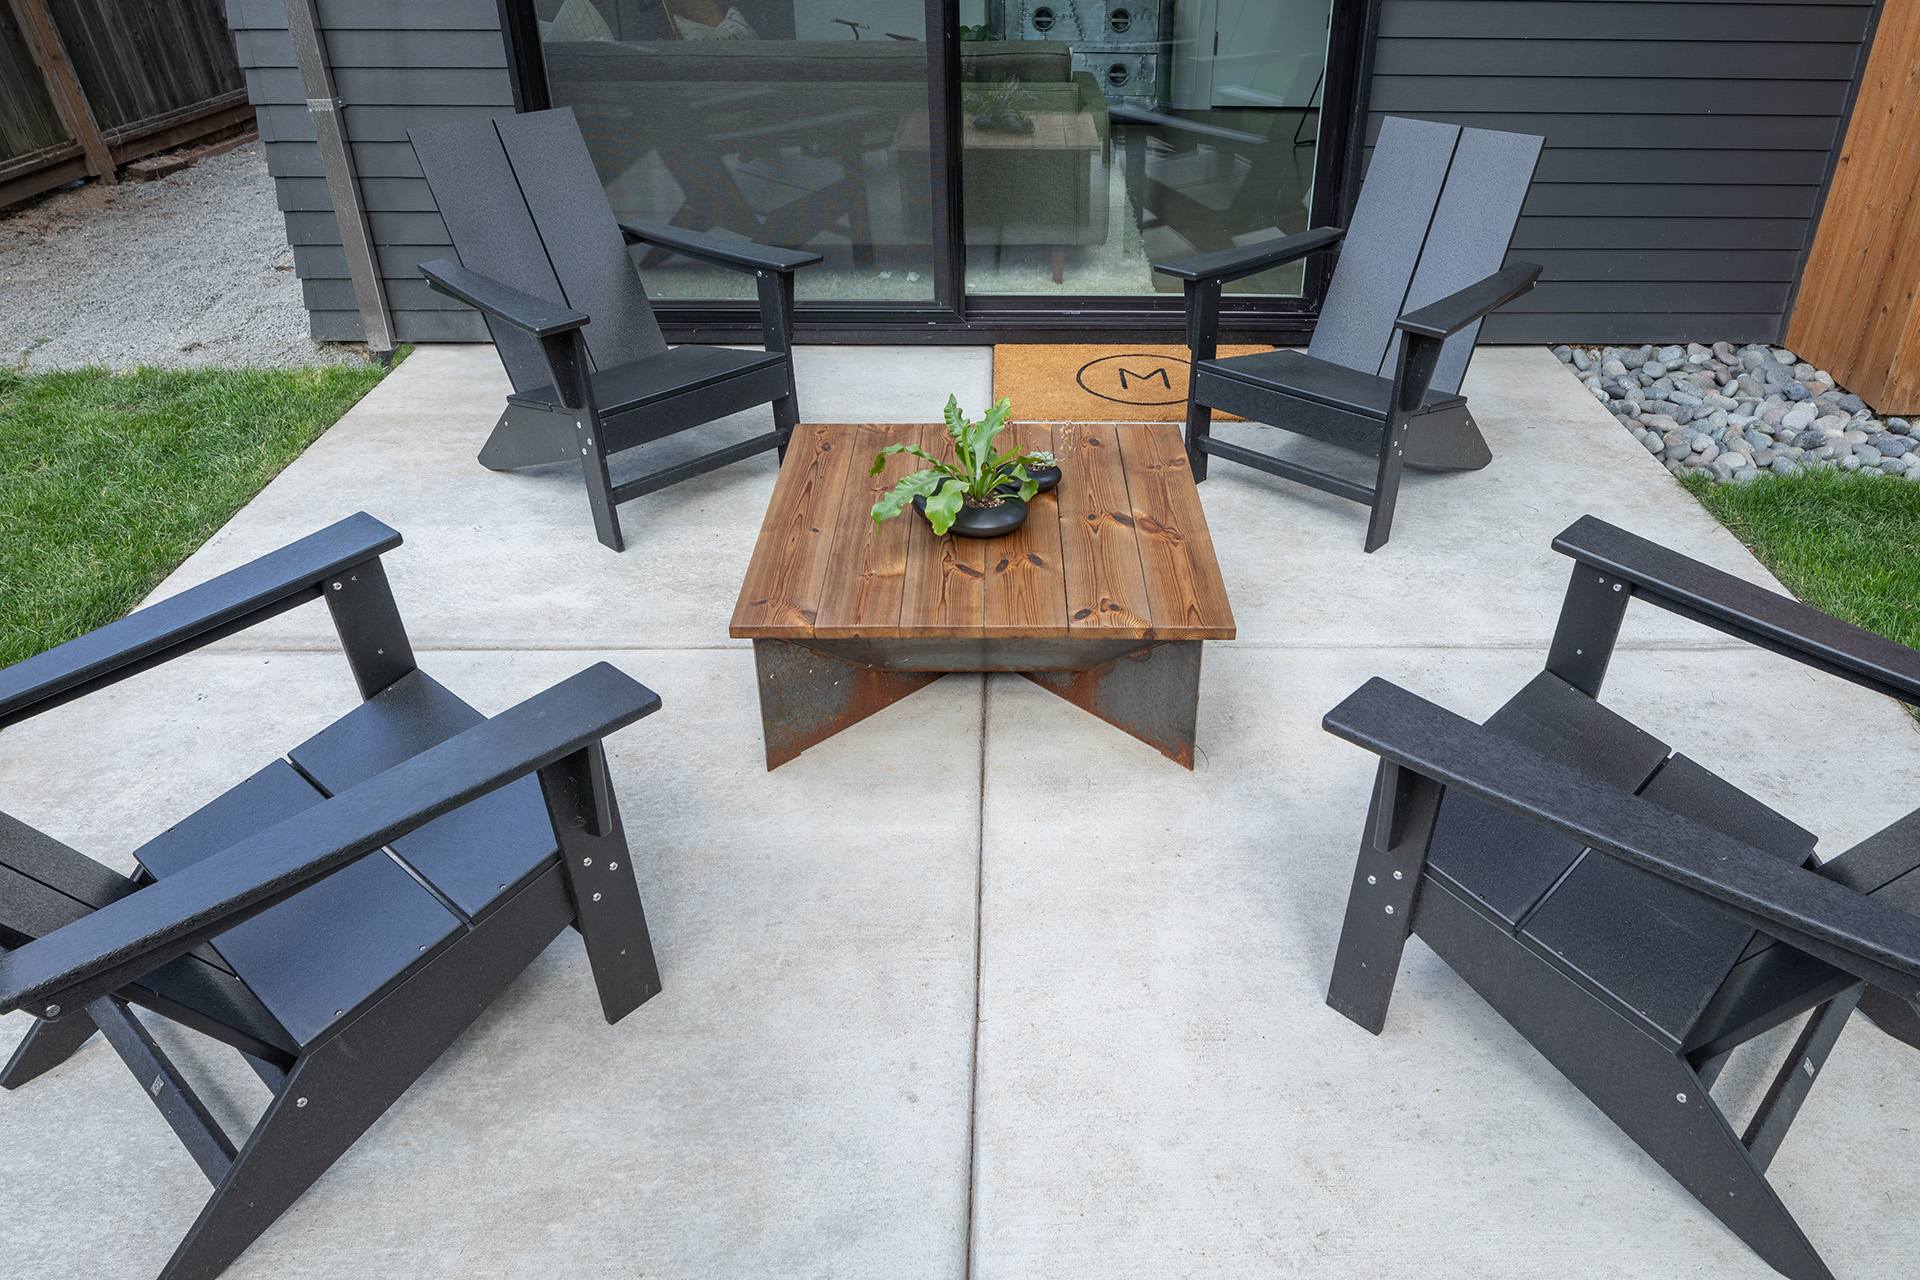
(954, 317)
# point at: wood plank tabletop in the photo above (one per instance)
(1120, 550)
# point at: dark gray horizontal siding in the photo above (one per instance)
(1569, 127)
(402, 295)
(1666, 264)
(396, 66)
(290, 122)
(391, 86)
(1685, 148)
(1731, 60)
(371, 159)
(382, 49)
(1595, 327)
(1614, 296)
(386, 195)
(1660, 233)
(372, 15)
(317, 226)
(397, 261)
(1841, 22)
(1580, 164)
(409, 326)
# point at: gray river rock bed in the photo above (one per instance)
(1730, 413)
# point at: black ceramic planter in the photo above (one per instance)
(1045, 477)
(983, 522)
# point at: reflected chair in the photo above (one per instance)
(543, 259)
(341, 916)
(1418, 271)
(1634, 916)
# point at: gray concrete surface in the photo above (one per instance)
(981, 986)
(190, 270)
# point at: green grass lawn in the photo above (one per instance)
(108, 481)
(1848, 545)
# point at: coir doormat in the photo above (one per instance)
(1102, 383)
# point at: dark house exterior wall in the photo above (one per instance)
(1687, 145)
(1688, 142)
(396, 64)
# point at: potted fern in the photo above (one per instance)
(980, 494)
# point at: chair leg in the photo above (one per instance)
(600, 881)
(46, 1046)
(1386, 484)
(1199, 427)
(1643, 1087)
(337, 1091)
(606, 519)
(1380, 905)
(786, 416)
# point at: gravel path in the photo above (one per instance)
(189, 271)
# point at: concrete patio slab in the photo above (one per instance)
(1157, 1087)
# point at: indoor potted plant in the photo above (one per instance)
(980, 494)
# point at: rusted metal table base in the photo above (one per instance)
(809, 692)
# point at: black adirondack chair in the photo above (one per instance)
(1419, 269)
(543, 259)
(1630, 913)
(274, 920)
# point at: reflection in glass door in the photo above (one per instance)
(800, 123)
(1101, 136)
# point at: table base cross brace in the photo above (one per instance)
(809, 692)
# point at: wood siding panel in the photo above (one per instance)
(1858, 313)
(1682, 168)
(396, 66)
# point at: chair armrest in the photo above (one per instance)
(122, 941)
(234, 601)
(1232, 264)
(1457, 310)
(537, 316)
(1869, 939)
(1741, 609)
(742, 255)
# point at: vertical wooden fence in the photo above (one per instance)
(1858, 311)
(88, 85)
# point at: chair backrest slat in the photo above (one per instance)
(1383, 243)
(492, 231)
(583, 242)
(1472, 228)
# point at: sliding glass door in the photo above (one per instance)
(786, 121)
(958, 160)
(1102, 136)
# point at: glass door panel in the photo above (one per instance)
(800, 123)
(1101, 136)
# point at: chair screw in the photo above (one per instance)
(299, 1102)
(1371, 880)
(613, 866)
(1389, 910)
(1396, 875)
(53, 1011)
(596, 897)
(1679, 1097)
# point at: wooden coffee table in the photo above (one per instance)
(1104, 595)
